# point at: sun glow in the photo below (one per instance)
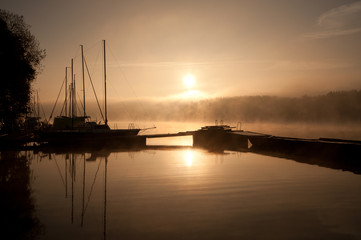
(189, 80)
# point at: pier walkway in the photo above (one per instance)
(223, 137)
(179, 134)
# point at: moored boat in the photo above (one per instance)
(72, 129)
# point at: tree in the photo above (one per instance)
(20, 63)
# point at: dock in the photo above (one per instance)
(219, 138)
(341, 154)
(222, 137)
(179, 134)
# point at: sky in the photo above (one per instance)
(186, 50)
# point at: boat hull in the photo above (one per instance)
(123, 137)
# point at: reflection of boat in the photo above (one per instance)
(71, 161)
(73, 129)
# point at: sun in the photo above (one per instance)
(189, 80)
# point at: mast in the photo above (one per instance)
(105, 87)
(71, 104)
(82, 67)
(34, 107)
(38, 105)
(72, 90)
(66, 91)
(74, 100)
(70, 99)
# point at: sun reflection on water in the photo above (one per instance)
(189, 158)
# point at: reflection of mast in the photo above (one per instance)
(72, 187)
(66, 175)
(72, 172)
(105, 197)
(82, 210)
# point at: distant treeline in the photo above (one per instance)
(340, 106)
(334, 107)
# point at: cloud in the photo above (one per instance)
(309, 65)
(332, 33)
(339, 21)
(186, 64)
(340, 16)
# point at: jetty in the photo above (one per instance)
(327, 152)
(162, 135)
(224, 137)
(332, 153)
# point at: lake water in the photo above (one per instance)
(175, 192)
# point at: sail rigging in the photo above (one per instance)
(74, 129)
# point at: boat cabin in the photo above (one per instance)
(68, 123)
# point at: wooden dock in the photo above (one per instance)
(223, 137)
(328, 152)
(179, 134)
(226, 138)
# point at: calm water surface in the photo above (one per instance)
(187, 193)
(192, 194)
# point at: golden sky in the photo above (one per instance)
(224, 47)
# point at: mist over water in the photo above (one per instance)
(339, 110)
(307, 130)
(334, 115)
(334, 107)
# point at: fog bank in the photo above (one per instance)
(334, 107)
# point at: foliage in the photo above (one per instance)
(20, 58)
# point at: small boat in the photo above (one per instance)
(218, 138)
(79, 131)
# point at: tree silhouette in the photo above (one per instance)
(20, 58)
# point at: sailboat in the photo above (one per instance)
(75, 130)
